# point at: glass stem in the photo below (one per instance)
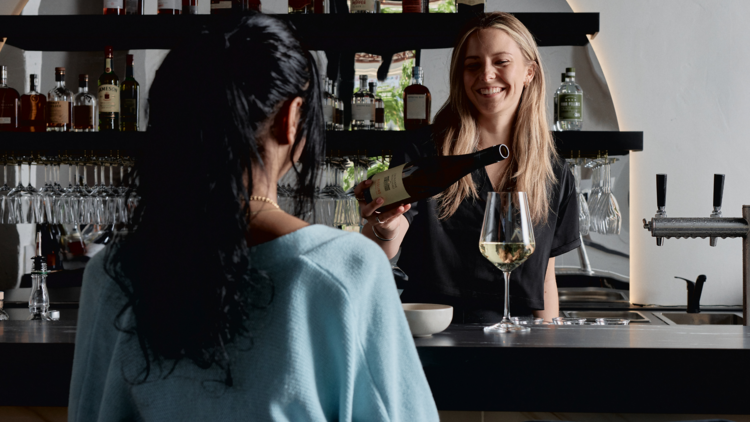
(506, 312)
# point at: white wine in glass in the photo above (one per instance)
(507, 241)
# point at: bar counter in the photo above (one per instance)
(626, 369)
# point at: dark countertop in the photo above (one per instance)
(644, 368)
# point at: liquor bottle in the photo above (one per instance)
(189, 7)
(84, 107)
(114, 7)
(9, 103)
(33, 114)
(328, 105)
(59, 105)
(364, 6)
(412, 6)
(475, 7)
(570, 103)
(168, 7)
(417, 101)
(130, 97)
(221, 7)
(556, 104)
(379, 107)
(427, 177)
(108, 95)
(299, 7)
(363, 107)
(134, 7)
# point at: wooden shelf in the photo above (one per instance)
(334, 32)
(371, 143)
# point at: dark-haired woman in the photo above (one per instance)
(497, 96)
(217, 305)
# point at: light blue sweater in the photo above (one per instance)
(335, 346)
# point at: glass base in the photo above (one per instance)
(505, 327)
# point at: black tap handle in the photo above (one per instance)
(661, 190)
(718, 189)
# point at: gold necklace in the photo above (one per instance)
(264, 199)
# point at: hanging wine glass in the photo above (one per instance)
(584, 216)
(6, 208)
(609, 210)
(23, 206)
(507, 240)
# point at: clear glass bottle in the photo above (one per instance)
(379, 108)
(39, 298)
(417, 101)
(328, 105)
(364, 6)
(33, 114)
(59, 105)
(9, 103)
(570, 103)
(363, 107)
(84, 107)
(555, 105)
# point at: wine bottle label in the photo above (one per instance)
(58, 112)
(5, 120)
(129, 106)
(363, 6)
(389, 186)
(109, 99)
(416, 106)
(471, 2)
(222, 5)
(569, 106)
(113, 4)
(328, 113)
(363, 111)
(83, 116)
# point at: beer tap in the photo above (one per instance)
(718, 196)
(712, 227)
(661, 201)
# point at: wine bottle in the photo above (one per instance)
(417, 101)
(108, 95)
(9, 104)
(130, 98)
(427, 177)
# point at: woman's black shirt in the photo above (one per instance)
(442, 258)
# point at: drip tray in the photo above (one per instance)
(591, 316)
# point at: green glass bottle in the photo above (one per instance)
(130, 96)
(108, 95)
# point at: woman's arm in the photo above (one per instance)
(551, 301)
(388, 225)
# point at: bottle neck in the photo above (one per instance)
(108, 65)
(416, 80)
(83, 86)
(363, 85)
(60, 81)
(3, 83)
(129, 71)
(32, 86)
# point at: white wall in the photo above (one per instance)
(677, 72)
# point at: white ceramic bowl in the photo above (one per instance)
(426, 319)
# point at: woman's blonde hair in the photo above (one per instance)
(532, 150)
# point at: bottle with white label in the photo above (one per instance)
(328, 105)
(570, 103)
(108, 95)
(417, 101)
(363, 107)
(59, 105)
(364, 6)
(428, 176)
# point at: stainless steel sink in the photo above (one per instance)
(590, 294)
(680, 318)
(634, 317)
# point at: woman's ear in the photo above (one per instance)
(289, 121)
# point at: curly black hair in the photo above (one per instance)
(183, 263)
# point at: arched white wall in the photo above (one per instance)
(677, 72)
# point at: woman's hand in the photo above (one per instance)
(386, 223)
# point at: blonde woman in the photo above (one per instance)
(497, 95)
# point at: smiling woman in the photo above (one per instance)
(497, 96)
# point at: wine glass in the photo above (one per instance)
(507, 240)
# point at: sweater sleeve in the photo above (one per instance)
(97, 392)
(389, 379)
